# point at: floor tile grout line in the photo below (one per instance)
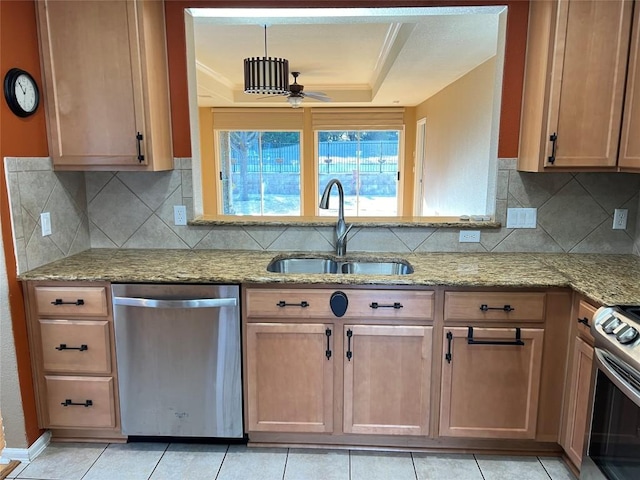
(415, 472)
(479, 468)
(284, 472)
(95, 461)
(544, 468)
(159, 460)
(224, 457)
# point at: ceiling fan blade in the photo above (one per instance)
(317, 96)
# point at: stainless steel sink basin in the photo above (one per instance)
(328, 265)
(377, 268)
(303, 265)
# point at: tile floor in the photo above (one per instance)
(179, 461)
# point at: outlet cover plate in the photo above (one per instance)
(45, 223)
(620, 216)
(469, 236)
(179, 215)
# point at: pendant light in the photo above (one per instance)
(266, 75)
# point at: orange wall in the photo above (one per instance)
(19, 137)
(512, 81)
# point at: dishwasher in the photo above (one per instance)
(178, 354)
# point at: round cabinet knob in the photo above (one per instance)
(626, 334)
(610, 324)
(339, 303)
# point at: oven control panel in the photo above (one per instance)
(617, 330)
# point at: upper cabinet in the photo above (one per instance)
(106, 84)
(574, 92)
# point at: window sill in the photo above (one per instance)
(409, 222)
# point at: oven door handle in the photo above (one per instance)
(628, 390)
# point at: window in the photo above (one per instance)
(259, 172)
(366, 163)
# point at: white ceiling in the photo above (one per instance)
(358, 57)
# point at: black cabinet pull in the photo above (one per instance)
(327, 332)
(507, 308)
(448, 354)
(139, 144)
(302, 304)
(349, 352)
(59, 301)
(472, 341)
(396, 305)
(584, 321)
(82, 348)
(68, 402)
(553, 138)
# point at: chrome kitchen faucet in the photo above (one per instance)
(341, 227)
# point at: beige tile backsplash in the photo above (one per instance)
(135, 210)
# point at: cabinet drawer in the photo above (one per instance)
(75, 346)
(292, 303)
(390, 304)
(494, 306)
(585, 313)
(72, 301)
(98, 391)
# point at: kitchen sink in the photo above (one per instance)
(329, 265)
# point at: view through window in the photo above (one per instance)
(366, 163)
(260, 172)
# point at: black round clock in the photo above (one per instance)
(21, 92)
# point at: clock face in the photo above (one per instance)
(25, 92)
(21, 92)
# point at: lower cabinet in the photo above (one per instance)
(578, 400)
(290, 377)
(73, 357)
(387, 377)
(490, 382)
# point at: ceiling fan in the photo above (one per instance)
(297, 93)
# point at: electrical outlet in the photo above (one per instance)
(469, 236)
(620, 218)
(45, 223)
(179, 215)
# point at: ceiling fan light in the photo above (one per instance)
(295, 102)
(266, 76)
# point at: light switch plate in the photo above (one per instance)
(45, 223)
(522, 217)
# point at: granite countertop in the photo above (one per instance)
(606, 279)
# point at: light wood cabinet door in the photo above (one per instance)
(387, 376)
(630, 141)
(574, 90)
(290, 377)
(490, 390)
(106, 84)
(578, 400)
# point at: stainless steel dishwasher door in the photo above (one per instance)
(178, 354)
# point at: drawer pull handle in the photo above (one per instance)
(283, 304)
(584, 321)
(67, 402)
(63, 346)
(472, 341)
(396, 305)
(507, 308)
(59, 301)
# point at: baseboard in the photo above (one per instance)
(26, 455)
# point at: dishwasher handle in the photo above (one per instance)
(189, 303)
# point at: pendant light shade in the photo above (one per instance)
(266, 75)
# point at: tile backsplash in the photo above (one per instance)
(135, 210)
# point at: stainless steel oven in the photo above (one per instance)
(613, 443)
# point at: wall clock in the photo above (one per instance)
(21, 92)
